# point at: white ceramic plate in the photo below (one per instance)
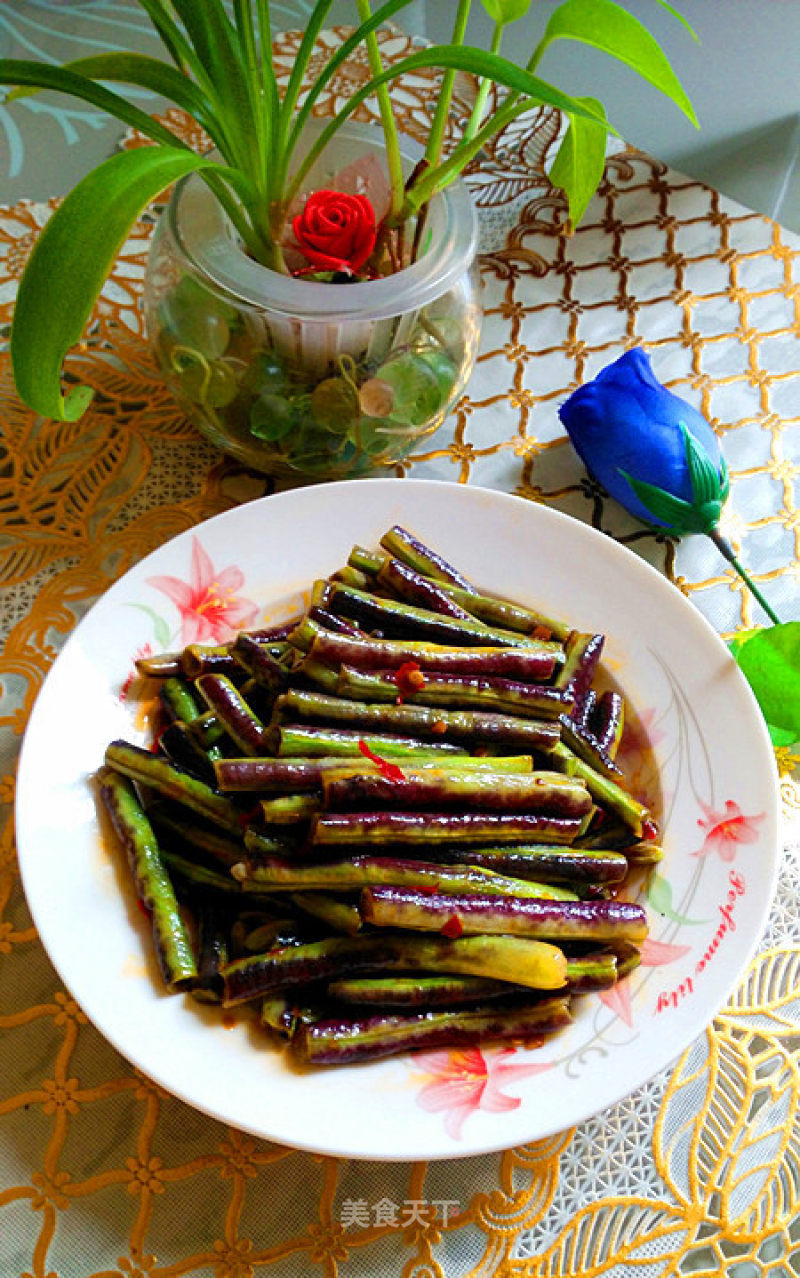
(708, 903)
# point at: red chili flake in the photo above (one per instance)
(141, 905)
(388, 770)
(649, 829)
(429, 889)
(453, 927)
(409, 678)
(541, 632)
(439, 727)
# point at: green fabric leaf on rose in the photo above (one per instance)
(770, 662)
(707, 481)
(677, 515)
(710, 487)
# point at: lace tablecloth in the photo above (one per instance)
(102, 1173)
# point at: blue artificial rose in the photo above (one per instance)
(649, 449)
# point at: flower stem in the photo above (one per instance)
(726, 550)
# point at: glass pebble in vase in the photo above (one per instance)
(304, 379)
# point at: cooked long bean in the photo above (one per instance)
(291, 775)
(178, 830)
(277, 875)
(459, 726)
(229, 706)
(476, 915)
(519, 960)
(172, 782)
(607, 721)
(341, 1041)
(424, 829)
(153, 884)
(595, 971)
(530, 664)
(623, 805)
(308, 739)
(509, 696)
(410, 550)
(178, 700)
(546, 863)
(399, 620)
(414, 588)
(536, 792)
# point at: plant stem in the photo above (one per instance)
(437, 178)
(726, 550)
(436, 136)
(473, 123)
(393, 159)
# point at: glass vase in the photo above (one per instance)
(305, 379)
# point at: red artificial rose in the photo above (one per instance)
(336, 231)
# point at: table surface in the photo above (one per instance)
(101, 1172)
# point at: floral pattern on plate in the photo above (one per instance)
(460, 1083)
(210, 608)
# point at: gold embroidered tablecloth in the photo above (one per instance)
(102, 1173)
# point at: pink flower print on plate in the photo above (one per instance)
(726, 830)
(463, 1081)
(210, 608)
(653, 954)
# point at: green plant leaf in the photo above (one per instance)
(170, 34)
(40, 75)
(503, 11)
(480, 62)
(659, 896)
(607, 26)
(70, 261)
(297, 120)
(770, 662)
(740, 638)
(148, 73)
(670, 8)
(220, 53)
(580, 161)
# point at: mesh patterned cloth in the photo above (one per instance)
(698, 1172)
